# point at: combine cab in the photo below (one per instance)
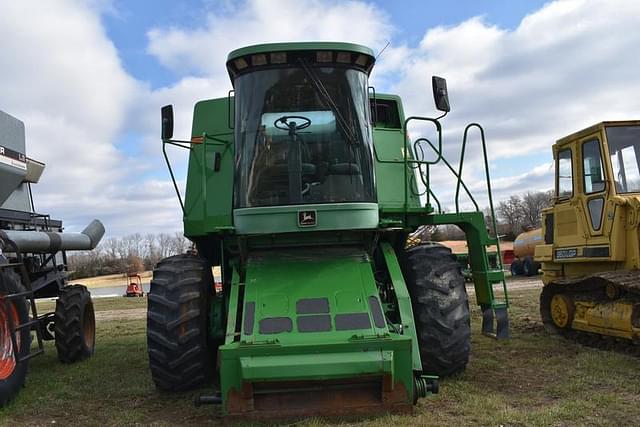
(303, 187)
(33, 265)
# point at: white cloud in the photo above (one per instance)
(566, 66)
(62, 76)
(204, 50)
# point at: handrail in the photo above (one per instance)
(488, 179)
(407, 147)
(425, 177)
(166, 159)
(183, 144)
(458, 177)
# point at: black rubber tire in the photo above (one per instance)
(440, 308)
(10, 386)
(180, 356)
(74, 324)
(529, 266)
(516, 267)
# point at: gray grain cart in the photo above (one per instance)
(33, 264)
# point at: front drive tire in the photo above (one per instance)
(74, 324)
(529, 266)
(516, 267)
(180, 356)
(440, 308)
(12, 375)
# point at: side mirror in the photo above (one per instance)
(167, 121)
(440, 94)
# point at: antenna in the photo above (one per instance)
(385, 46)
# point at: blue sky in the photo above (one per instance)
(128, 22)
(88, 78)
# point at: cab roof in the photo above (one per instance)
(293, 46)
(594, 128)
(276, 55)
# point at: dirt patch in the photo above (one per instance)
(129, 314)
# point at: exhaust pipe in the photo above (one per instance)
(45, 242)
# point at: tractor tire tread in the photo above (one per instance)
(9, 387)
(69, 324)
(177, 333)
(440, 307)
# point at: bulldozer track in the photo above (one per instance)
(628, 281)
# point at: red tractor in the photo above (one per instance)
(134, 286)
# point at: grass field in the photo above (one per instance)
(532, 379)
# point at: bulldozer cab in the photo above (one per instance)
(597, 173)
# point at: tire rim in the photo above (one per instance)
(561, 310)
(7, 358)
(89, 326)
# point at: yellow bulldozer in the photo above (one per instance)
(591, 251)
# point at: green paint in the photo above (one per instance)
(276, 281)
(217, 318)
(404, 303)
(285, 219)
(208, 198)
(275, 262)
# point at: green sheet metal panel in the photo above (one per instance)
(389, 145)
(209, 194)
(304, 283)
(287, 219)
(332, 282)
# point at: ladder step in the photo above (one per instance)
(25, 324)
(27, 294)
(493, 276)
(31, 355)
(10, 265)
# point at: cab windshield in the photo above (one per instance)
(624, 149)
(302, 136)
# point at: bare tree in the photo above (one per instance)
(511, 213)
(532, 206)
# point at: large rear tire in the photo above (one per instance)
(74, 324)
(440, 308)
(177, 328)
(516, 267)
(12, 374)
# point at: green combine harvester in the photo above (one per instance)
(303, 187)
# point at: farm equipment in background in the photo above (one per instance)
(524, 248)
(302, 187)
(591, 251)
(134, 286)
(33, 265)
(461, 251)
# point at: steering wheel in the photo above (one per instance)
(306, 122)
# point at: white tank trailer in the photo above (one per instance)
(33, 264)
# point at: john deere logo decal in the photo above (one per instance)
(306, 218)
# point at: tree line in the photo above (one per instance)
(514, 215)
(135, 252)
(518, 213)
(129, 254)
